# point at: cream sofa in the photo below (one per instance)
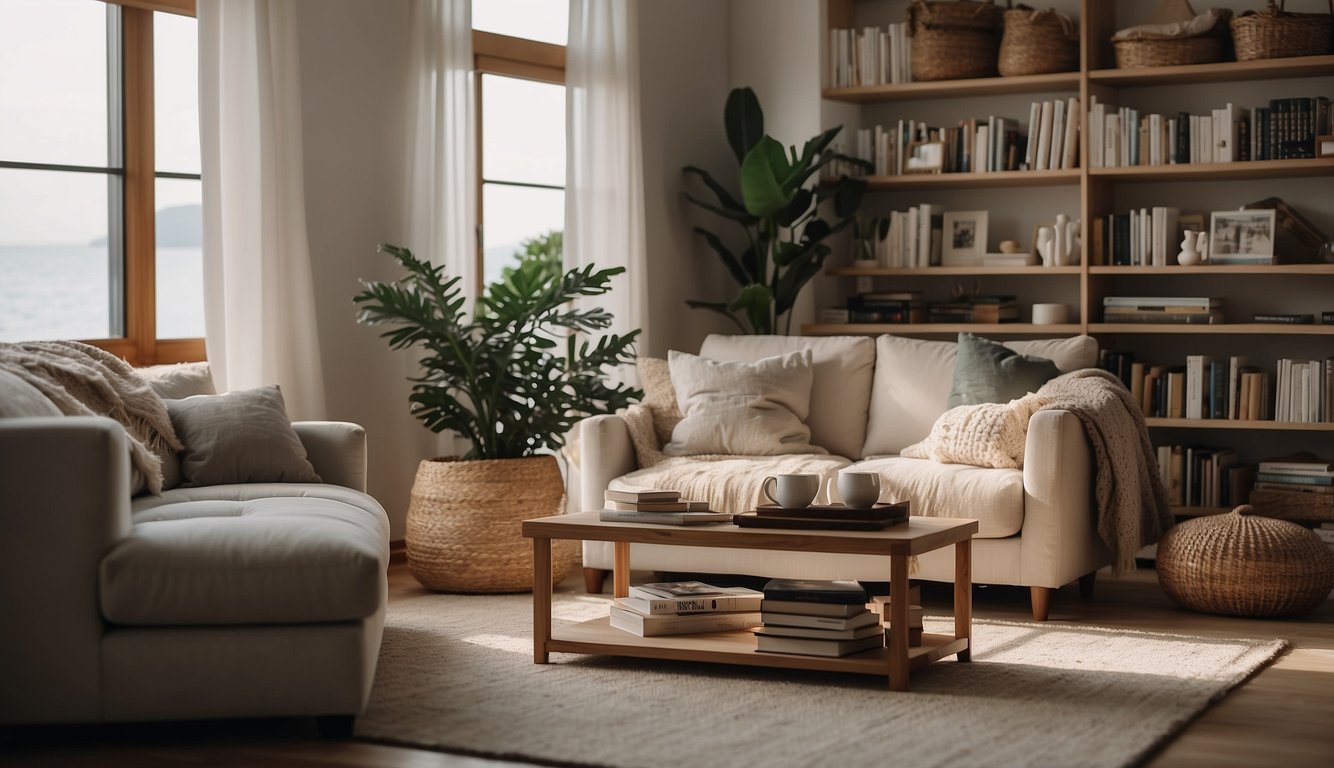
(258, 599)
(871, 398)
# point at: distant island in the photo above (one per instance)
(181, 226)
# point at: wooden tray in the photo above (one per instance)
(876, 512)
(754, 520)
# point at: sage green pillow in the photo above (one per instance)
(987, 371)
(239, 437)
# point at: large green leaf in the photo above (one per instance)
(756, 302)
(762, 175)
(743, 120)
(725, 198)
(734, 266)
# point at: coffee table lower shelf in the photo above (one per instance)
(598, 637)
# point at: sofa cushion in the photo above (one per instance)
(983, 435)
(993, 497)
(728, 483)
(655, 376)
(244, 555)
(239, 437)
(18, 398)
(914, 377)
(742, 408)
(987, 371)
(178, 381)
(840, 388)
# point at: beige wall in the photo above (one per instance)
(354, 95)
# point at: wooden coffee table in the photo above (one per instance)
(895, 661)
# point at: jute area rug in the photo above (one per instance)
(456, 674)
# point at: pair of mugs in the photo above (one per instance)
(858, 490)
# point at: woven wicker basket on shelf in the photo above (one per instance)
(1241, 564)
(951, 41)
(1170, 52)
(1294, 505)
(1275, 33)
(465, 518)
(1038, 42)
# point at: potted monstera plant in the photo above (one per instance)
(512, 378)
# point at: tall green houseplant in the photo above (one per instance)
(778, 211)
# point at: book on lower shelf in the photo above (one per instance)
(678, 597)
(820, 633)
(651, 625)
(812, 647)
(816, 591)
(863, 618)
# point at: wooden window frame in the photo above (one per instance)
(495, 54)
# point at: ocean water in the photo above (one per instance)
(61, 292)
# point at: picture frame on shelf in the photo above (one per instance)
(1242, 237)
(925, 157)
(963, 238)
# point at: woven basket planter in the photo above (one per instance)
(957, 40)
(1275, 33)
(465, 519)
(1240, 564)
(1038, 42)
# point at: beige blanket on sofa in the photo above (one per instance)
(1133, 509)
(83, 380)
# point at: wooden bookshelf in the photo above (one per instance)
(1033, 271)
(1199, 511)
(953, 89)
(990, 180)
(1269, 425)
(997, 329)
(1224, 72)
(1268, 270)
(1268, 329)
(1248, 169)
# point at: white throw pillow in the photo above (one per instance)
(743, 409)
(982, 435)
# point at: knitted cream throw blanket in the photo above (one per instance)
(83, 380)
(1133, 510)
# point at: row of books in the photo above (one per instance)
(870, 56)
(654, 505)
(1286, 129)
(1148, 237)
(1050, 142)
(1304, 390)
(1190, 310)
(911, 307)
(1299, 473)
(914, 238)
(685, 607)
(1202, 476)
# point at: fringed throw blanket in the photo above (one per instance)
(83, 380)
(1133, 509)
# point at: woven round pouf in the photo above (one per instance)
(1241, 564)
(465, 519)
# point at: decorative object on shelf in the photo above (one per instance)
(963, 238)
(951, 41)
(1276, 33)
(779, 214)
(1241, 564)
(1010, 246)
(925, 157)
(1050, 314)
(1324, 146)
(1297, 240)
(1200, 40)
(1241, 237)
(477, 380)
(1058, 245)
(1194, 246)
(1038, 42)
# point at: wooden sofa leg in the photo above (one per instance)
(1041, 597)
(593, 578)
(1086, 584)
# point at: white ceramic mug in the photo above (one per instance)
(858, 490)
(791, 491)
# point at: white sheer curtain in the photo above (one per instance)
(604, 193)
(259, 299)
(442, 166)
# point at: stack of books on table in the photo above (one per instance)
(1188, 310)
(652, 505)
(1302, 473)
(685, 607)
(880, 606)
(833, 517)
(817, 618)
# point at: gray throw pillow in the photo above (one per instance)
(239, 437)
(19, 398)
(987, 371)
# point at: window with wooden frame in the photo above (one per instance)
(519, 59)
(100, 191)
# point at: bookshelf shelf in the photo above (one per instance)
(955, 271)
(1271, 270)
(950, 89)
(1200, 511)
(1221, 328)
(991, 180)
(1272, 426)
(1246, 169)
(854, 329)
(1262, 69)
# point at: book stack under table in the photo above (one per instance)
(817, 618)
(685, 607)
(880, 606)
(653, 505)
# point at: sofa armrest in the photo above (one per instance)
(64, 501)
(1060, 541)
(337, 451)
(605, 453)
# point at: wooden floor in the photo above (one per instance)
(1283, 717)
